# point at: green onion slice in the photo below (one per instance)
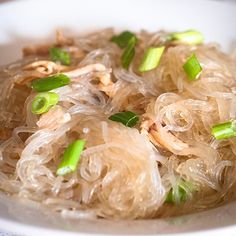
(49, 83)
(123, 39)
(192, 68)
(71, 157)
(127, 118)
(224, 130)
(151, 58)
(56, 54)
(179, 194)
(191, 37)
(182, 195)
(42, 102)
(128, 53)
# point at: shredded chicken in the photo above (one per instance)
(41, 50)
(104, 76)
(45, 67)
(97, 67)
(39, 69)
(107, 89)
(54, 118)
(161, 137)
(62, 40)
(75, 52)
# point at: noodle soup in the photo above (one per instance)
(120, 125)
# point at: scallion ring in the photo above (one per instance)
(49, 83)
(123, 39)
(128, 53)
(127, 118)
(42, 102)
(151, 58)
(192, 68)
(191, 37)
(224, 130)
(57, 54)
(71, 157)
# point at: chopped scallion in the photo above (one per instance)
(123, 39)
(42, 102)
(192, 37)
(151, 58)
(51, 82)
(182, 196)
(179, 194)
(71, 157)
(128, 53)
(127, 118)
(192, 68)
(224, 130)
(57, 54)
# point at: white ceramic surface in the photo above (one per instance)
(24, 22)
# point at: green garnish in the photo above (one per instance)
(182, 196)
(180, 193)
(128, 53)
(224, 130)
(127, 41)
(192, 37)
(43, 102)
(123, 39)
(151, 58)
(71, 157)
(192, 68)
(56, 54)
(127, 118)
(49, 83)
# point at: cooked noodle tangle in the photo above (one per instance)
(124, 172)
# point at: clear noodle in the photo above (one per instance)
(123, 172)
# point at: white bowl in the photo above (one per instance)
(24, 22)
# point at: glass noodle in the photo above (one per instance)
(123, 172)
